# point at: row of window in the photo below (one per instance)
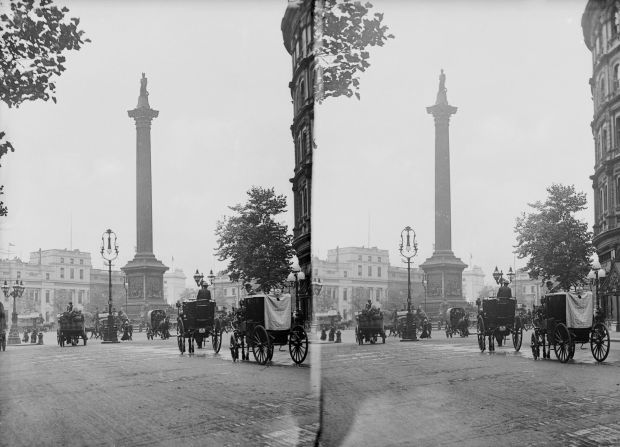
(345, 293)
(302, 43)
(302, 146)
(80, 297)
(62, 261)
(71, 273)
(359, 258)
(607, 33)
(302, 203)
(601, 200)
(359, 271)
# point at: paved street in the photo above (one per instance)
(145, 393)
(443, 392)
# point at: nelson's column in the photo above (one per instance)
(444, 270)
(145, 273)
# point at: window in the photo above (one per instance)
(71, 261)
(71, 273)
(359, 257)
(81, 273)
(47, 296)
(36, 296)
(370, 270)
(602, 89)
(234, 292)
(359, 270)
(379, 271)
(346, 274)
(47, 276)
(19, 275)
(344, 295)
(615, 26)
(81, 262)
(62, 272)
(62, 260)
(616, 67)
(369, 258)
(605, 199)
(379, 259)
(604, 141)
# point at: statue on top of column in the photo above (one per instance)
(441, 93)
(143, 81)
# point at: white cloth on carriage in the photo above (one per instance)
(579, 310)
(277, 313)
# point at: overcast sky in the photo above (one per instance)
(217, 72)
(518, 73)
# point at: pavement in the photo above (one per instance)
(144, 392)
(445, 392)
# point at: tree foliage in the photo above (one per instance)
(256, 246)
(34, 38)
(558, 246)
(347, 29)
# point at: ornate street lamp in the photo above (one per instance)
(294, 278)
(408, 249)
(109, 252)
(126, 285)
(211, 277)
(198, 277)
(17, 292)
(596, 275)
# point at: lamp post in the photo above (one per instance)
(408, 249)
(595, 276)
(498, 276)
(424, 284)
(17, 292)
(294, 277)
(211, 278)
(126, 285)
(109, 252)
(198, 277)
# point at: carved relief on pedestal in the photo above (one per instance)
(154, 287)
(434, 284)
(134, 291)
(453, 285)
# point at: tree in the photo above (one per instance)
(346, 30)
(558, 245)
(34, 38)
(257, 247)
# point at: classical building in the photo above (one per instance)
(601, 32)
(350, 276)
(298, 34)
(527, 291)
(473, 283)
(53, 278)
(174, 285)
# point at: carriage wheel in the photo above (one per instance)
(517, 337)
(561, 347)
(298, 344)
(535, 347)
(480, 333)
(216, 339)
(599, 342)
(260, 345)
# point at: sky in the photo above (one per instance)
(518, 73)
(218, 74)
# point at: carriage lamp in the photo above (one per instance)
(408, 249)
(17, 292)
(510, 274)
(109, 252)
(198, 278)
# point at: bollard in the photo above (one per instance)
(338, 337)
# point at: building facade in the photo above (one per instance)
(53, 278)
(601, 32)
(350, 276)
(298, 34)
(473, 283)
(174, 285)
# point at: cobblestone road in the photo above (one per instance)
(443, 392)
(145, 393)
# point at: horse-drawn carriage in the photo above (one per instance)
(564, 319)
(71, 328)
(264, 321)
(157, 324)
(369, 326)
(497, 320)
(457, 322)
(197, 322)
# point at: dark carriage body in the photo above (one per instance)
(370, 326)
(196, 322)
(457, 322)
(497, 320)
(71, 327)
(564, 319)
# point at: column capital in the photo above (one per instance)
(143, 114)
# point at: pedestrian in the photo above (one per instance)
(204, 294)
